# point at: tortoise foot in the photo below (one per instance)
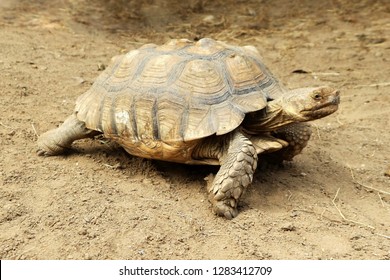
(59, 140)
(226, 208)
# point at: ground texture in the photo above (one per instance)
(331, 202)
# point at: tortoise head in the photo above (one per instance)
(306, 104)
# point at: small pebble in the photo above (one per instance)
(288, 227)
(209, 19)
(78, 80)
(294, 214)
(101, 67)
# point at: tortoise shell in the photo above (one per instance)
(157, 99)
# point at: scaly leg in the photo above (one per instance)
(238, 162)
(297, 135)
(58, 140)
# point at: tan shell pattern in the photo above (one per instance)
(177, 92)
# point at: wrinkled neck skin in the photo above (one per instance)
(270, 119)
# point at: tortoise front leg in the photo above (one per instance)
(297, 135)
(238, 163)
(58, 140)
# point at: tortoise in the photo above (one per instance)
(204, 102)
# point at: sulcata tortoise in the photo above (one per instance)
(203, 102)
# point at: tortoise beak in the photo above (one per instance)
(331, 105)
(334, 101)
(335, 97)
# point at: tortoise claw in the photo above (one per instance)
(223, 208)
(41, 153)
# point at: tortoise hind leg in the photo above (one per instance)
(58, 140)
(238, 163)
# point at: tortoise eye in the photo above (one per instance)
(317, 96)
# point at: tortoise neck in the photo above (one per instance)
(270, 119)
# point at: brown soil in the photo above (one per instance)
(331, 202)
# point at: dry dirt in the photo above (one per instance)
(331, 202)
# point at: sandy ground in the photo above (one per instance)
(331, 202)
